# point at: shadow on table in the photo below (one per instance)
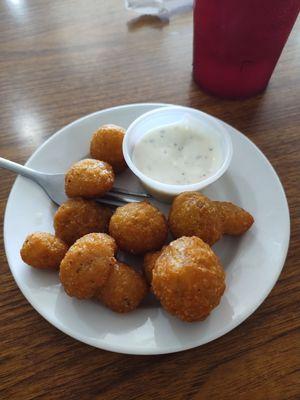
(143, 21)
(240, 113)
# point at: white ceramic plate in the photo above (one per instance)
(252, 262)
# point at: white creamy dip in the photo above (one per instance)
(177, 154)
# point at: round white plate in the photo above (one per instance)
(252, 262)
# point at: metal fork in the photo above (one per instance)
(54, 186)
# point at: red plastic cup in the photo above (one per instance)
(237, 43)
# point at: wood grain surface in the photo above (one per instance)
(60, 60)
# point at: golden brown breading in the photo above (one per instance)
(87, 265)
(235, 220)
(124, 289)
(194, 214)
(89, 178)
(149, 262)
(138, 228)
(43, 250)
(188, 279)
(106, 145)
(78, 217)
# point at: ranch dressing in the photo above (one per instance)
(177, 154)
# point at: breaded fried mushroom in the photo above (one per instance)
(43, 250)
(78, 217)
(124, 289)
(188, 279)
(106, 145)
(89, 178)
(138, 228)
(235, 220)
(193, 214)
(87, 265)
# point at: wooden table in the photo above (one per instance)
(60, 60)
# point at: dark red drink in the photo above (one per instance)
(237, 43)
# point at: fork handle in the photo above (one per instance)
(19, 169)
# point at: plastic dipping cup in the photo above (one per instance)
(237, 43)
(169, 115)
